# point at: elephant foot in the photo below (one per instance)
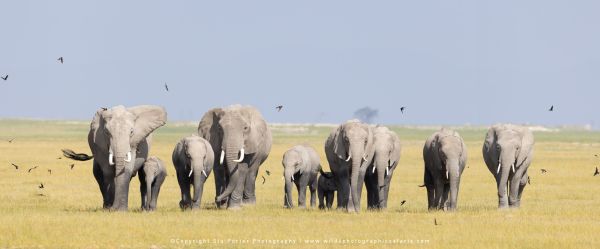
(249, 202)
(234, 208)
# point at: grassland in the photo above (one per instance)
(558, 208)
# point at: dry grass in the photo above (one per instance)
(558, 208)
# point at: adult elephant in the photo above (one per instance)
(507, 152)
(242, 141)
(120, 139)
(387, 149)
(349, 151)
(445, 157)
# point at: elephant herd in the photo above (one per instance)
(234, 141)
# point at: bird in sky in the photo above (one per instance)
(5, 77)
(17, 166)
(11, 140)
(597, 172)
(543, 171)
(264, 179)
(166, 87)
(402, 203)
(551, 109)
(279, 107)
(41, 186)
(29, 170)
(402, 109)
(61, 60)
(72, 166)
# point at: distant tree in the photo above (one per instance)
(366, 114)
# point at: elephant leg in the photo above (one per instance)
(330, 195)
(250, 184)
(502, 195)
(515, 188)
(383, 203)
(301, 192)
(321, 194)
(109, 189)
(101, 184)
(343, 195)
(199, 180)
(444, 203)
(143, 189)
(220, 183)
(369, 192)
(522, 185)
(156, 190)
(313, 193)
(184, 186)
(439, 191)
(428, 181)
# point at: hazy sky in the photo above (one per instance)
(449, 62)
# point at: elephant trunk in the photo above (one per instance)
(288, 175)
(382, 170)
(453, 169)
(234, 170)
(357, 154)
(123, 171)
(199, 179)
(506, 164)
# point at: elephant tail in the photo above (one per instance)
(76, 156)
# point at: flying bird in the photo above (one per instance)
(166, 87)
(551, 109)
(435, 221)
(597, 172)
(5, 77)
(543, 171)
(264, 179)
(402, 109)
(50, 171)
(402, 203)
(10, 140)
(76, 156)
(61, 60)
(72, 166)
(268, 172)
(17, 166)
(29, 170)
(41, 186)
(528, 180)
(279, 107)
(59, 158)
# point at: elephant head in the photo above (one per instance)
(117, 132)
(449, 154)
(197, 153)
(353, 144)
(295, 161)
(387, 154)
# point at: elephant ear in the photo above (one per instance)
(489, 153)
(97, 133)
(148, 119)
(527, 143)
(396, 149)
(257, 137)
(435, 147)
(339, 147)
(370, 147)
(209, 157)
(305, 164)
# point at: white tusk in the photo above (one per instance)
(191, 171)
(348, 159)
(204, 173)
(447, 175)
(128, 157)
(365, 158)
(292, 177)
(387, 171)
(241, 156)
(222, 157)
(498, 171)
(373, 169)
(110, 159)
(513, 167)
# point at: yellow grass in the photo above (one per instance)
(559, 208)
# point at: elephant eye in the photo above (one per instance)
(245, 128)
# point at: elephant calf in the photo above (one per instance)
(301, 165)
(154, 172)
(445, 156)
(193, 158)
(326, 189)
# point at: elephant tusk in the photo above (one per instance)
(128, 157)
(447, 175)
(498, 171)
(241, 156)
(513, 168)
(349, 157)
(191, 171)
(373, 169)
(365, 158)
(292, 177)
(222, 157)
(204, 173)
(110, 159)
(387, 171)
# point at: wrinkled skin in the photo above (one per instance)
(326, 190)
(124, 134)
(379, 173)
(154, 173)
(445, 157)
(193, 158)
(349, 150)
(507, 152)
(229, 130)
(301, 164)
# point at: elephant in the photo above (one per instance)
(193, 158)
(379, 174)
(326, 189)
(301, 165)
(349, 151)
(507, 152)
(154, 172)
(445, 157)
(120, 139)
(242, 141)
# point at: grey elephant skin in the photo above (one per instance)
(349, 151)
(119, 140)
(301, 165)
(385, 160)
(242, 141)
(326, 188)
(507, 152)
(193, 158)
(445, 157)
(154, 172)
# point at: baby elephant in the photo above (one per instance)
(193, 159)
(301, 165)
(326, 189)
(154, 173)
(445, 156)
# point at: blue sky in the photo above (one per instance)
(448, 62)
